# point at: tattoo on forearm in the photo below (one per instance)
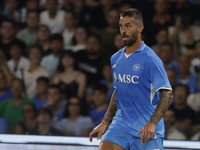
(162, 106)
(111, 109)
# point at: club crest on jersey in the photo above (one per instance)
(136, 67)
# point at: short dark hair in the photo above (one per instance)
(20, 80)
(33, 11)
(183, 85)
(72, 13)
(55, 37)
(166, 43)
(53, 86)
(95, 36)
(101, 87)
(43, 26)
(135, 13)
(9, 21)
(33, 106)
(83, 110)
(46, 111)
(44, 79)
(37, 47)
(18, 44)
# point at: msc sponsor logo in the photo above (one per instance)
(126, 78)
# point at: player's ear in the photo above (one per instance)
(140, 28)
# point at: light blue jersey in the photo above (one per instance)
(138, 78)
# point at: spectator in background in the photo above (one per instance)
(28, 35)
(4, 68)
(89, 98)
(43, 35)
(69, 30)
(71, 81)
(160, 20)
(79, 39)
(44, 118)
(31, 5)
(52, 17)
(5, 92)
(172, 76)
(100, 97)
(17, 61)
(11, 10)
(172, 131)
(161, 37)
(29, 123)
(67, 5)
(183, 33)
(107, 5)
(195, 62)
(166, 55)
(88, 16)
(34, 71)
(55, 103)
(40, 99)
(50, 62)
(185, 77)
(123, 5)
(75, 123)
(7, 32)
(185, 116)
(108, 80)
(107, 34)
(118, 42)
(90, 61)
(12, 108)
(78, 7)
(193, 100)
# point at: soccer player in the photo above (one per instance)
(134, 120)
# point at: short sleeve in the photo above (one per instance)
(158, 75)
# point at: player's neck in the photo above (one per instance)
(134, 47)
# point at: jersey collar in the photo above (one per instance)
(142, 46)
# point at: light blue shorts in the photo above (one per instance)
(130, 142)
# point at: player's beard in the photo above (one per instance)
(132, 40)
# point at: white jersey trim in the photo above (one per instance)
(152, 94)
(127, 55)
(164, 88)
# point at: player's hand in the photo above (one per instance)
(147, 132)
(99, 130)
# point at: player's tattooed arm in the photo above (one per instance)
(163, 105)
(111, 109)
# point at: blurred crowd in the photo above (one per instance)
(55, 73)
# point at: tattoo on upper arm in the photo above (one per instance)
(162, 106)
(111, 109)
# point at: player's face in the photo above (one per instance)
(128, 30)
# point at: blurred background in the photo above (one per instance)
(55, 73)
